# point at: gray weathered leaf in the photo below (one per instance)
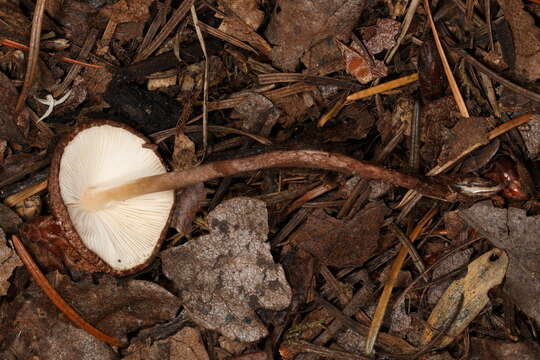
(225, 276)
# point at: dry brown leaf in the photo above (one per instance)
(360, 64)
(124, 11)
(495, 349)
(9, 220)
(512, 230)
(188, 202)
(338, 242)
(526, 36)
(299, 27)
(225, 276)
(381, 36)
(11, 127)
(8, 262)
(242, 20)
(38, 328)
(114, 306)
(466, 132)
(186, 344)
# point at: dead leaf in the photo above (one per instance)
(225, 276)
(186, 344)
(8, 262)
(381, 36)
(10, 124)
(114, 306)
(76, 18)
(466, 132)
(338, 242)
(446, 266)
(124, 11)
(188, 202)
(360, 64)
(36, 328)
(9, 220)
(353, 122)
(299, 27)
(258, 114)
(526, 36)
(491, 349)
(530, 132)
(466, 297)
(242, 20)
(512, 230)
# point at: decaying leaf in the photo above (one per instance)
(225, 276)
(512, 230)
(342, 243)
(530, 133)
(8, 262)
(242, 20)
(188, 202)
(9, 220)
(311, 38)
(446, 266)
(526, 36)
(491, 349)
(9, 123)
(381, 36)
(258, 114)
(466, 297)
(186, 344)
(127, 11)
(466, 132)
(360, 64)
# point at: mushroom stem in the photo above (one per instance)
(99, 198)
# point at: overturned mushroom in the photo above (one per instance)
(123, 237)
(114, 197)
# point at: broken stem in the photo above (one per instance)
(100, 198)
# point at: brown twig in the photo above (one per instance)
(33, 55)
(55, 297)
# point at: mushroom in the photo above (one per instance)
(113, 196)
(124, 237)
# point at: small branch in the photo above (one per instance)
(55, 297)
(377, 89)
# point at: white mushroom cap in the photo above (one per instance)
(125, 234)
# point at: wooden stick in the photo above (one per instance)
(377, 89)
(55, 297)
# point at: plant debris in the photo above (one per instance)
(335, 172)
(8, 262)
(515, 232)
(225, 276)
(341, 243)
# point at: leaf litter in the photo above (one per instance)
(286, 242)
